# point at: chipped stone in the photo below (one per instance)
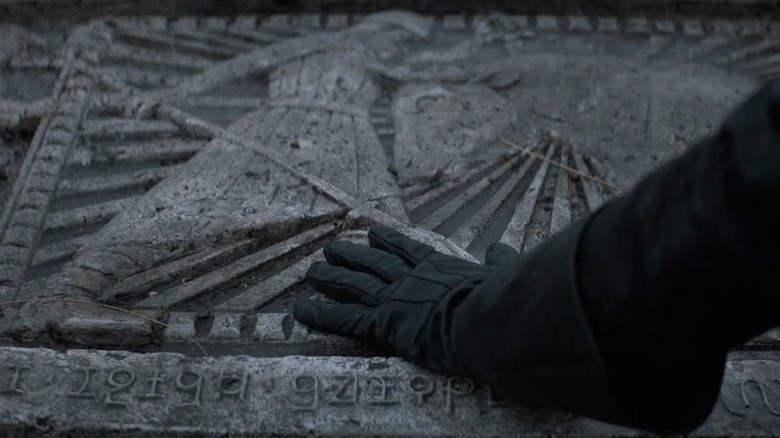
(278, 327)
(180, 326)
(607, 25)
(666, 26)
(226, 327)
(579, 23)
(547, 23)
(454, 22)
(637, 26)
(693, 28)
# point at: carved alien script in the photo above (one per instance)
(184, 174)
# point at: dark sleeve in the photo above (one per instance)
(627, 315)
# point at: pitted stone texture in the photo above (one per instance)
(161, 394)
(631, 114)
(180, 326)
(28, 74)
(443, 131)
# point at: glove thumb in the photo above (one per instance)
(501, 255)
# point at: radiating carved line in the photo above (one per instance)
(255, 36)
(748, 52)
(592, 193)
(265, 291)
(119, 77)
(448, 210)
(174, 44)
(655, 46)
(561, 208)
(216, 278)
(88, 186)
(514, 234)
(34, 187)
(86, 215)
(220, 101)
(42, 62)
(125, 129)
(704, 47)
(763, 66)
(59, 250)
(137, 152)
(217, 38)
(423, 194)
(138, 284)
(471, 229)
(123, 52)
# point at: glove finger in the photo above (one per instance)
(344, 285)
(501, 255)
(387, 239)
(351, 320)
(387, 267)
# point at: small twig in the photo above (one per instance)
(106, 306)
(118, 309)
(528, 151)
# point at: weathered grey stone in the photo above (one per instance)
(158, 394)
(186, 171)
(225, 327)
(180, 326)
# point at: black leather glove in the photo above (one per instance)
(398, 293)
(626, 316)
(515, 323)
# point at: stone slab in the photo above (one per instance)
(431, 127)
(154, 394)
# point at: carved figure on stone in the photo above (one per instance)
(449, 108)
(316, 121)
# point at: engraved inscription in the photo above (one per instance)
(82, 389)
(422, 387)
(347, 390)
(154, 385)
(381, 390)
(120, 381)
(456, 386)
(15, 385)
(190, 382)
(306, 388)
(233, 386)
(746, 388)
(122, 387)
(492, 399)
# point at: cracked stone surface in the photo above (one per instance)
(167, 181)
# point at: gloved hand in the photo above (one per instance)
(398, 292)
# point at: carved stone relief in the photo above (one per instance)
(185, 172)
